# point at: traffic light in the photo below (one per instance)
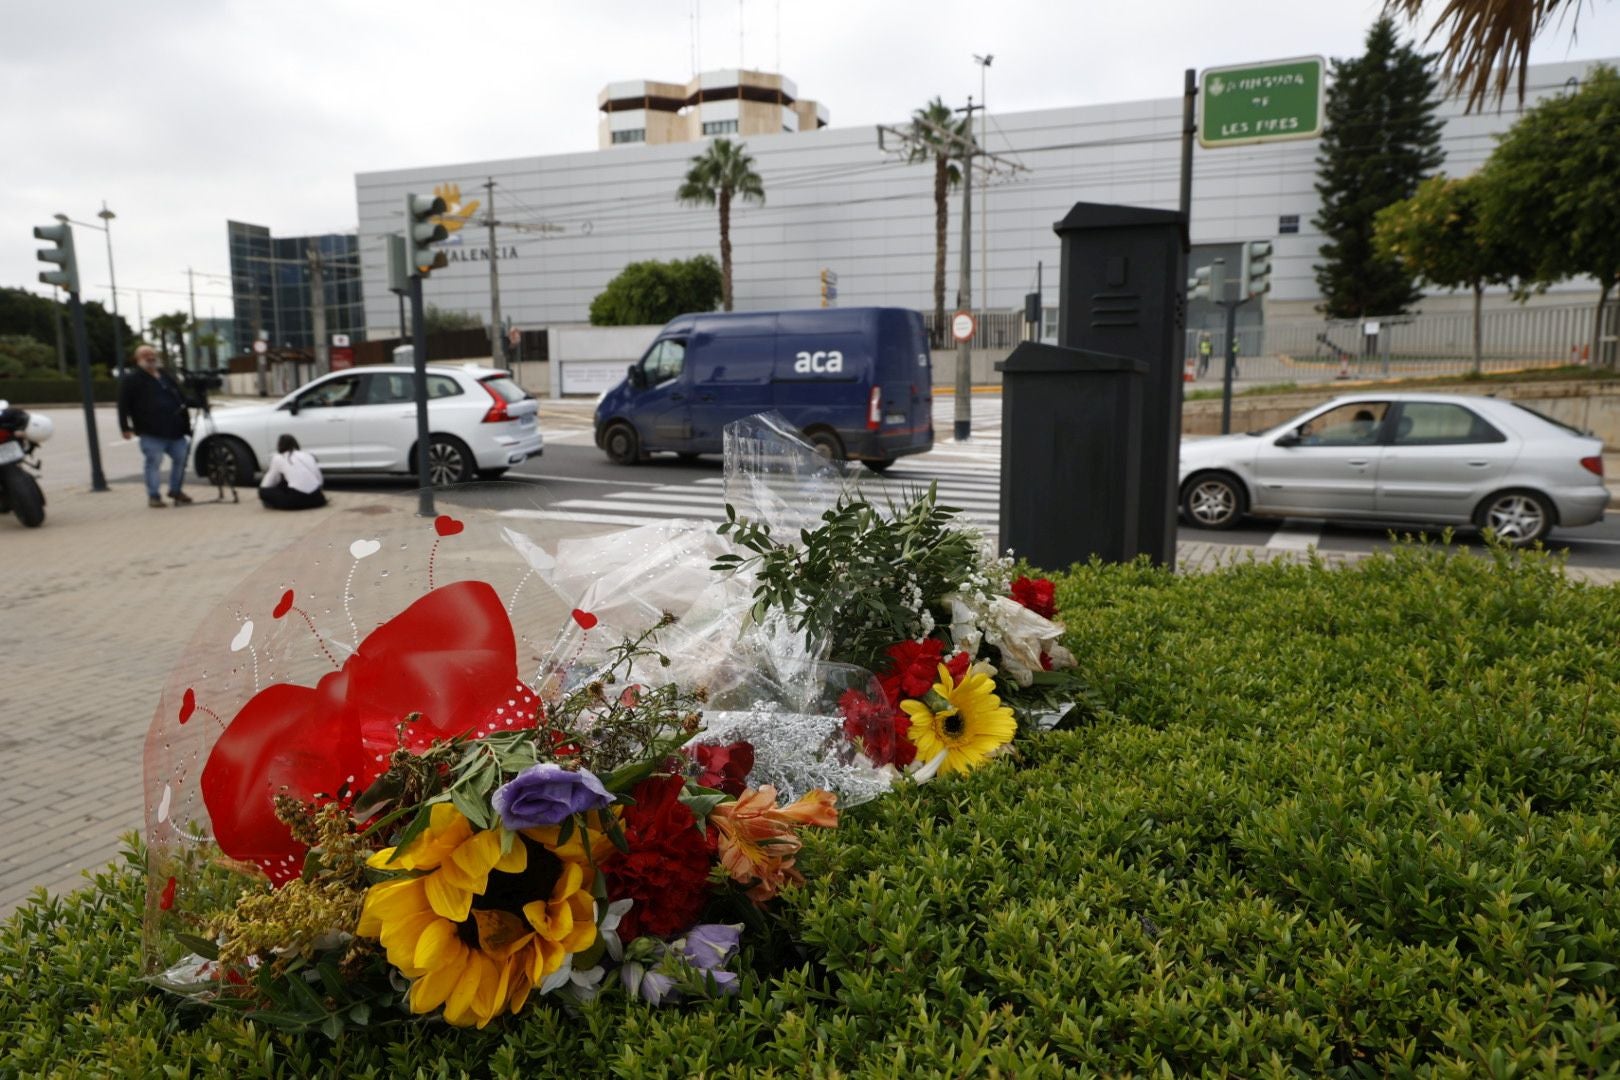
(420, 232)
(1256, 269)
(67, 276)
(1208, 282)
(399, 273)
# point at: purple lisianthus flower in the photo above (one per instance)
(653, 987)
(709, 946)
(547, 794)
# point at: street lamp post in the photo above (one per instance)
(107, 216)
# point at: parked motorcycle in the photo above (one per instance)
(21, 432)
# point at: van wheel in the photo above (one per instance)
(881, 465)
(622, 444)
(826, 443)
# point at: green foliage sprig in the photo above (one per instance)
(864, 578)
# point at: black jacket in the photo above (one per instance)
(152, 406)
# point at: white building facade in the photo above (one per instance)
(837, 200)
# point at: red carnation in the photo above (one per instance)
(1037, 595)
(913, 668)
(666, 871)
(878, 728)
(725, 768)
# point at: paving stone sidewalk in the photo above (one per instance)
(99, 603)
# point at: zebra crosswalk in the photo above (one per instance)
(967, 476)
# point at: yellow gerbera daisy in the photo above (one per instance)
(966, 720)
(480, 929)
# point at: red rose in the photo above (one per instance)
(725, 768)
(666, 871)
(1037, 595)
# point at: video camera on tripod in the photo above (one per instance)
(195, 385)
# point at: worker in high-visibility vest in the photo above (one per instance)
(1205, 348)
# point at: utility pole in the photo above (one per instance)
(496, 339)
(964, 295)
(317, 301)
(191, 346)
(984, 185)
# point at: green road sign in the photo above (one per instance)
(1258, 103)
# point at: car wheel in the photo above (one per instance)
(22, 492)
(225, 461)
(622, 444)
(492, 474)
(826, 443)
(449, 461)
(1519, 518)
(880, 465)
(1213, 501)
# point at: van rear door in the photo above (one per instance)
(905, 377)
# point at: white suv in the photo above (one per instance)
(364, 420)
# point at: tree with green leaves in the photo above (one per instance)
(437, 319)
(1382, 139)
(939, 136)
(650, 293)
(1441, 236)
(1553, 182)
(26, 313)
(23, 357)
(717, 176)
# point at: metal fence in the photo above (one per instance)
(992, 330)
(1407, 346)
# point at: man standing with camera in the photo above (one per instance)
(151, 405)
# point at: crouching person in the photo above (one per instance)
(293, 480)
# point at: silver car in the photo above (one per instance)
(1437, 459)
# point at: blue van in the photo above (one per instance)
(857, 381)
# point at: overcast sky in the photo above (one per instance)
(184, 113)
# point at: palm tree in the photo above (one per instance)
(937, 135)
(719, 174)
(1487, 42)
(176, 324)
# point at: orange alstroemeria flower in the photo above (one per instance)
(759, 840)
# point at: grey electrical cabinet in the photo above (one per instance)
(1071, 455)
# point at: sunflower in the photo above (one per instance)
(481, 927)
(964, 719)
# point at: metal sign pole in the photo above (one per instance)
(424, 445)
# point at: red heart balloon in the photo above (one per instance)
(445, 525)
(166, 901)
(450, 656)
(284, 605)
(585, 619)
(188, 704)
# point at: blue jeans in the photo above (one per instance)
(153, 447)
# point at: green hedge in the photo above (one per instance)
(55, 391)
(1352, 823)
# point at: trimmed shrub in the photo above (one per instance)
(1324, 822)
(55, 391)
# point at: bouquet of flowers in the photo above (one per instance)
(426, 831)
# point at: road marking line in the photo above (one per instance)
(1295, 539)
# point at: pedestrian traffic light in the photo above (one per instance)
(1208, 282)
(1256, 268)
(421, 231)
(67, 276)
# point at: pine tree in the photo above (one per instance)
(1382, 140)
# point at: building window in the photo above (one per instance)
(719, 127)
(1288, 223)
(632, 135)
